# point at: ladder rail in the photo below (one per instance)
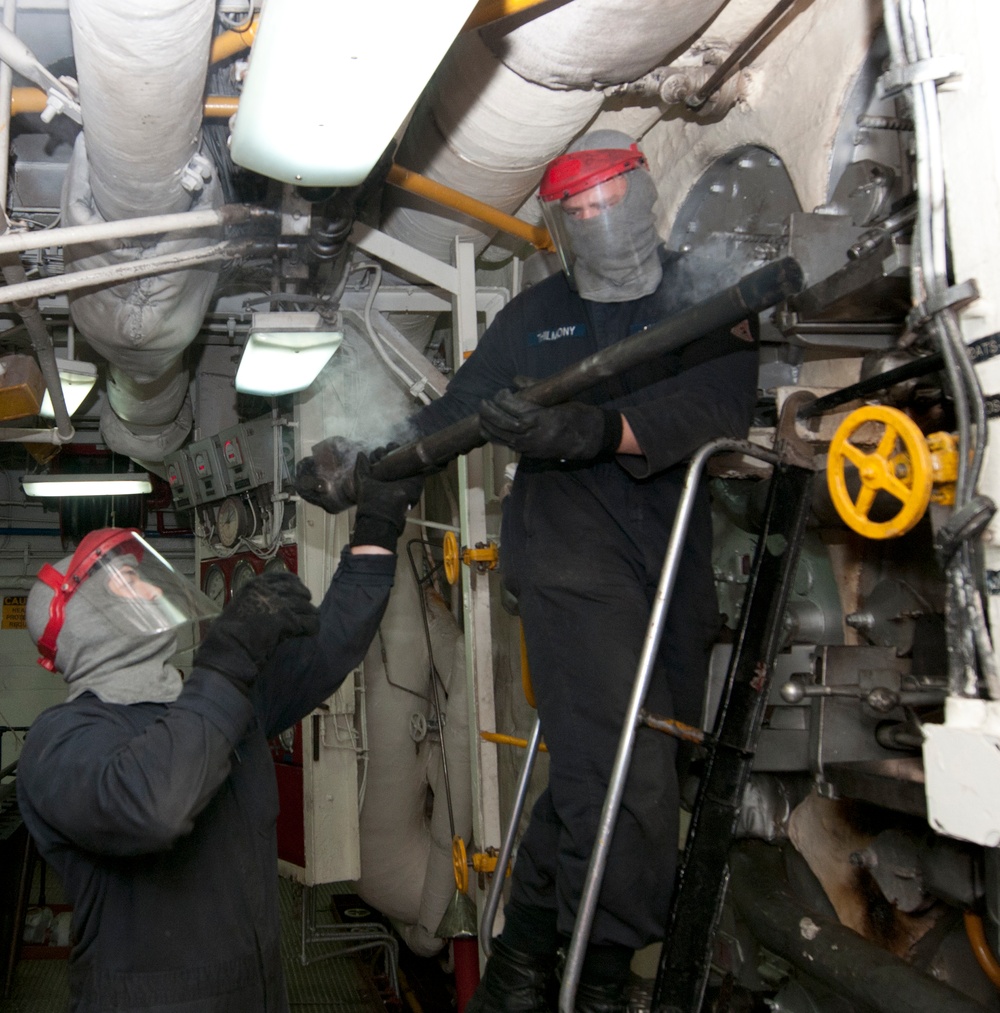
(623, 758)
(507, 844)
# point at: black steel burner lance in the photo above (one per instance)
(327, 478)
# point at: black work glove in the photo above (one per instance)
(382, 506)
(267, 610)
(326, 478)
(566, 432)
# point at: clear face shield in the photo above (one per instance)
(584, 214)
(583, 202)
(129, 586)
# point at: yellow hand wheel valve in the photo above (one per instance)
(902, 466)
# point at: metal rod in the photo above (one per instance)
(507, 844)
(671, 727)
(871, 385)
(756, 292)
(126, 228)
(114, 274)
(712, 85)
(619, 772)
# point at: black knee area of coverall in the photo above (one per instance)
(530, 929)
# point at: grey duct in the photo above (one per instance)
(141, 68)
(537, 86)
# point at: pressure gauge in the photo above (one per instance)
(214, 585)
(243, 573)
(287, 739)
(232, 521)
(276, 565)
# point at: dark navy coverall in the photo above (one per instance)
(582, 547)
(160, 820)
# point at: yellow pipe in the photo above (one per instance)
(32, 100)
(221, 105)
(981, 948)
(458, 201)
(229, 43)
(27, 100)
(492, 10)
(509, 740)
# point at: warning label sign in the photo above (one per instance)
(14, 610)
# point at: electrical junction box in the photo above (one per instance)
(207, 470)
(247, 455)
(962, 771)
(182, 486)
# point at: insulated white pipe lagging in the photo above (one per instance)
(531, 100)
(141, 66)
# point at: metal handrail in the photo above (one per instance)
(616, 785)
(507, 844)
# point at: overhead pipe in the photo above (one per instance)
(33, 100)
(538, 85)
(114, 274)
(130, 228)
(141, 66)
(413, 182)
(230, 43)
(714, 83)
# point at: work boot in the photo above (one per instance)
(514, 982)
(604, 998)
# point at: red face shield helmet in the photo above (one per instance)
(579, 187)
(137, 584)
(576, 171)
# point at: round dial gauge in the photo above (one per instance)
(242, 573)
(232, 521)
(214, 585)
(276, 565)
(287, 739)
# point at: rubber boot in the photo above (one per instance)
(514, 982)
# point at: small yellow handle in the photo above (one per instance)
(485, 557)
(900, 466)
(450, 547)
(460, 864)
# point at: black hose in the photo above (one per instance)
(756, 292)
(330, 484)
(825, 950)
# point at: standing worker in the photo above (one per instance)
(583, 539)
(584, 534)
(154, 799)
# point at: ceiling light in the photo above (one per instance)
(285, 352)
(329, 84)
(77, 379)
(127, 484)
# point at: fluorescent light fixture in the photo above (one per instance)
(125, 484)
(285, 352)
(77, 379)
(330, 82)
